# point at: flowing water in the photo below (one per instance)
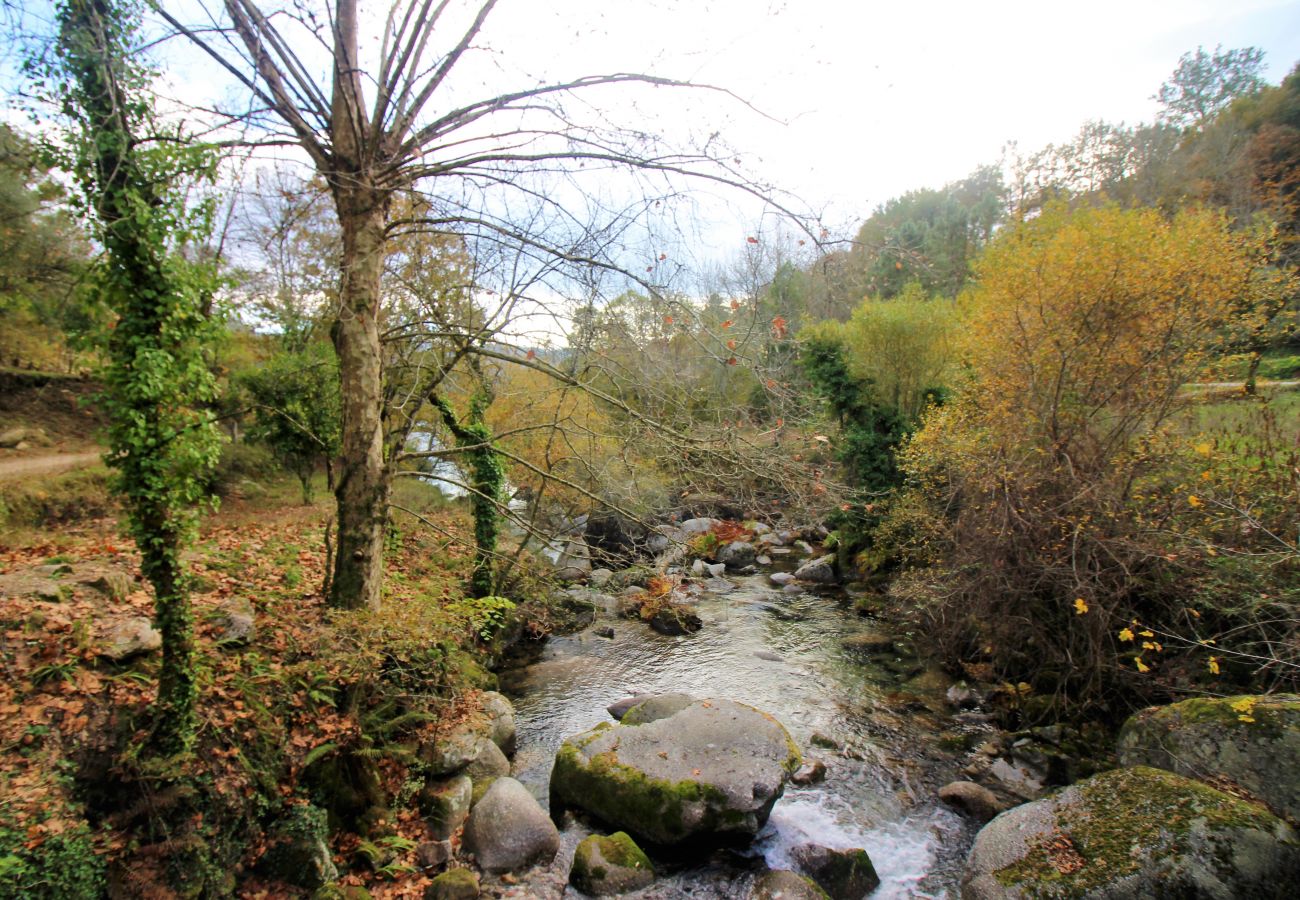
(879, 793)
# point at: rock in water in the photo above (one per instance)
(973, 799)
(614, 865)
(782, 884)
(712, 770)
(655, 707)
(1134, 833)
(818, 571)
(508, 830)
(1253, 742)
(737, 554)
(842, 874)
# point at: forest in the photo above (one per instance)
(367, 436)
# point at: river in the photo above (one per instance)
(891, 724)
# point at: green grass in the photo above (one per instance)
(1281, 364)
(1239, 414)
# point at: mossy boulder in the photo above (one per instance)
(445, 804)
(605, 866)
(842, 874)
(1247, 743)
(297, 852)
(456, 884)
(1134, 833)
(487, 767)
(712, 770)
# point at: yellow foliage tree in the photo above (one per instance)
(1082, 328)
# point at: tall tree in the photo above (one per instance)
(133, 174)
(375, 131)
(1205, 83)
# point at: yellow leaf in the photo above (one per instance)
(1141, 666)
(1147, 633)
(1080, 606)
(1126, 634)
(1193, 501)
(1204, 448)
(1214, 665)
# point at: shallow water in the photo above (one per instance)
(880, 789)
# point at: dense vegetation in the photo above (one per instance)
(1002, 397)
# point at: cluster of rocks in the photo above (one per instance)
(1203, 805)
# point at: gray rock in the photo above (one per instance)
(605, 631)
(1251, 742)
(975, 800)
(620, 708)
(501, 716)
(782, 884)
(112, 583)
(825, 741)
(570, 574)
(658, 543)
(719, 585)
(610, 866)
(760, 528)
(575, 555)
(804, 547)
(716, 570)
(842, 874)
(697, 567)
(963, 696)
(11, 437)
(509, 830)
(781, 578)
(811, 772)
(600, 577)
(737, 554)
(818, 571)
(456, 884)
(235, 625)
(1134, 833)
(712, 769)
(763, 560)
(432, 854)
(769, 539)
(453, 750)
(36, 587)
(698, 526)
(675, 619)
(769, 656)
(130, 638)
(487, 767)
(1020, 780)
(445, 805)
(653, 707)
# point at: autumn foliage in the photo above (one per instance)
(1025, 500)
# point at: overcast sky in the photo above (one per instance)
(881, 98)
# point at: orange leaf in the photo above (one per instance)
(732, 361)
(532, 354)
(728, 324)
(731, 344)
(668, 320)
(752, 240)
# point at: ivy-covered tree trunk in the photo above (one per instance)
(486, 477)
(161, 443)
(364, 478)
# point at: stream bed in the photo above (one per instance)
(780, 651)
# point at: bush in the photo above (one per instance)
(1046, 496)
(241, 463)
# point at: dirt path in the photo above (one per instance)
(47, 465)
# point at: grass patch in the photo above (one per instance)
(56, 499)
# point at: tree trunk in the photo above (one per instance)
(1251, 373)
(364, 478)
(174, 713)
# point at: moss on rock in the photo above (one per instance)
(612, 865)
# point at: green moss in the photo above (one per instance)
(626, 796)
(1271, 714)
(1124, 818)
(454, 884)
(618, 850)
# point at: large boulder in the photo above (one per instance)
(1134, 833)
(711, 770)
(610, 866)
(653, 708)
(973, 799)
(509, 830)
(1250, 743)
(486, 768)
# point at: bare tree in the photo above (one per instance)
(399, 126)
